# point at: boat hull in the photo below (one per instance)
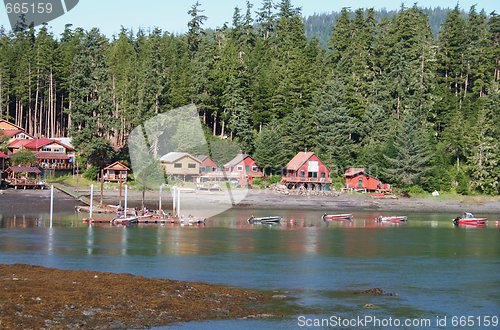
(473, 221)
(337, 217)
(125, 221)
(264, 220)
(394, 219)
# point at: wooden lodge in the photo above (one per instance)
(51, 154)
(308, 171)
(356, 179)
(207, 165)
(243, 168)
(115, 172)
(24, 177)
(180, 165)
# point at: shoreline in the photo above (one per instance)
(35, 201)
(41, 297)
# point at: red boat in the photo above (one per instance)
(469, 219)
(392, 219)
(335, 217)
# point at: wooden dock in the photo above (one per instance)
(70, 192)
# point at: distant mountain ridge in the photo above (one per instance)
(320, 25)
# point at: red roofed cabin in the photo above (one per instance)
(358, 179)
(306, 170)
(51, 154)
(207, 165)
(244, 168)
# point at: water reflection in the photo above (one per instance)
(312, 259)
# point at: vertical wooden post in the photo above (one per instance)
(178, 203)
(126, 192)
(102, 186)
(91, 200)
(174, 196)
(120, 202)
(159, 200)
(51, 204)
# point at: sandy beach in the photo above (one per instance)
(36, 201)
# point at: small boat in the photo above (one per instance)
(264, 220)
(125, 220)
(192, 220)
(392, 219)
(469, 219)
(334, 217)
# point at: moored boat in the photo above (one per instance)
(264, 220)
(469, 219)
(125, 220)
(392, 219)
(335, 217)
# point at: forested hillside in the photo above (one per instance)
(384, 94)
(320, 25)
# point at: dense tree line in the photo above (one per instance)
(385, 94)
(320, 25)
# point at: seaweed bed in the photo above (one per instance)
(39, 297)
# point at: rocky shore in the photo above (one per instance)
(35, 297)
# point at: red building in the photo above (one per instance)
(51, 154)
(358, 179)
(306, 170)
(207, 165)
(244, 168)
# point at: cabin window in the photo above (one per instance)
(240, 168)
(214, 169)
(178, 165)
(312, 174)
(302, 174)
(58, 150)
(323, 175)
(191, 165)
(46, 149)
(255, 169)
(360, 182)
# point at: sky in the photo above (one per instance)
(168, 15)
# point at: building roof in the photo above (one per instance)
(202, 158)
(65, 140)
(175, 156)
(51, 155)
(23, 169)
(2, 155)
(236, 160)
(18, 143)
(10, 132)
(14, 126)
(299, 160)
(39, 143)
(117, 166)
(353, 171)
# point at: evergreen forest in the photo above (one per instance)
(415, 108)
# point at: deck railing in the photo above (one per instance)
(305, 180)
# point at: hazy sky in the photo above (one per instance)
(110, 15)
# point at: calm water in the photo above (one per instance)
(437, 269)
